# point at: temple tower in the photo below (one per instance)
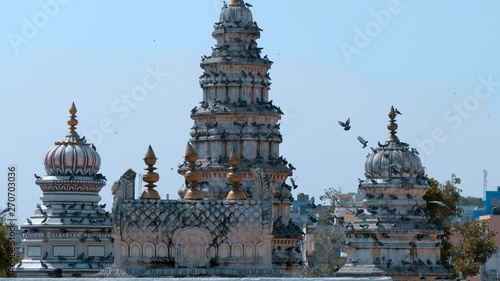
(392, 235)
(69, 232)
(236, 114)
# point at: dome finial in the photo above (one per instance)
(235, 178)
(236, 3)
(192, 176)
(150, 177)
(72, 122)
(392, 126)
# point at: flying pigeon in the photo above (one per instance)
(346, 125)
(362, 141)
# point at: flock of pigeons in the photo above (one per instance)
(347, 126)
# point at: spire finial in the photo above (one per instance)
(72, 122)
(234, 178)
(192, 176)
(150, 177)
(235, 3)
(392, 126)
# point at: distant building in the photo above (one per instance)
(492, 200)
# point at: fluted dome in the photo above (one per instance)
(72, 156)
(236, 12)
(394, 160)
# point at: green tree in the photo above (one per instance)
(326, 259)
(6, 250)
(477, 245)
(328, 238)
(449, 194)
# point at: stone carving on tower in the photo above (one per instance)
(70, 232)
(392, 235)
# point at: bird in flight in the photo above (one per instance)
(346, 125)
(362, 141)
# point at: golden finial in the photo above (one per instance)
(234, 3)
(193, 176)
(392, 126)
(150, 177)
(72, 122)
(234, 178)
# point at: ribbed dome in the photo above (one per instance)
(395, 160)
(236, 12)
(73, 155)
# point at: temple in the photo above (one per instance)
(392, 235)
(70, 231)
(233, 215)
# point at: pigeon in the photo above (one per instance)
(362, 141)
(4, 211)
(93, 147)
(397, 111)
(364, 226)
(248, 5)
(43, 264)
(19, 264)
(29, 221)
(439, 203)
(346, 125)
(294, 185)
(37, 177)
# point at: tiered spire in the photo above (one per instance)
(236, 111)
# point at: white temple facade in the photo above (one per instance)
(70, 232)
(392, 234)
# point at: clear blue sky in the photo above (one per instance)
(424, 57)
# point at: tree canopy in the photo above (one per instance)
(6, 250)
(476, 245)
